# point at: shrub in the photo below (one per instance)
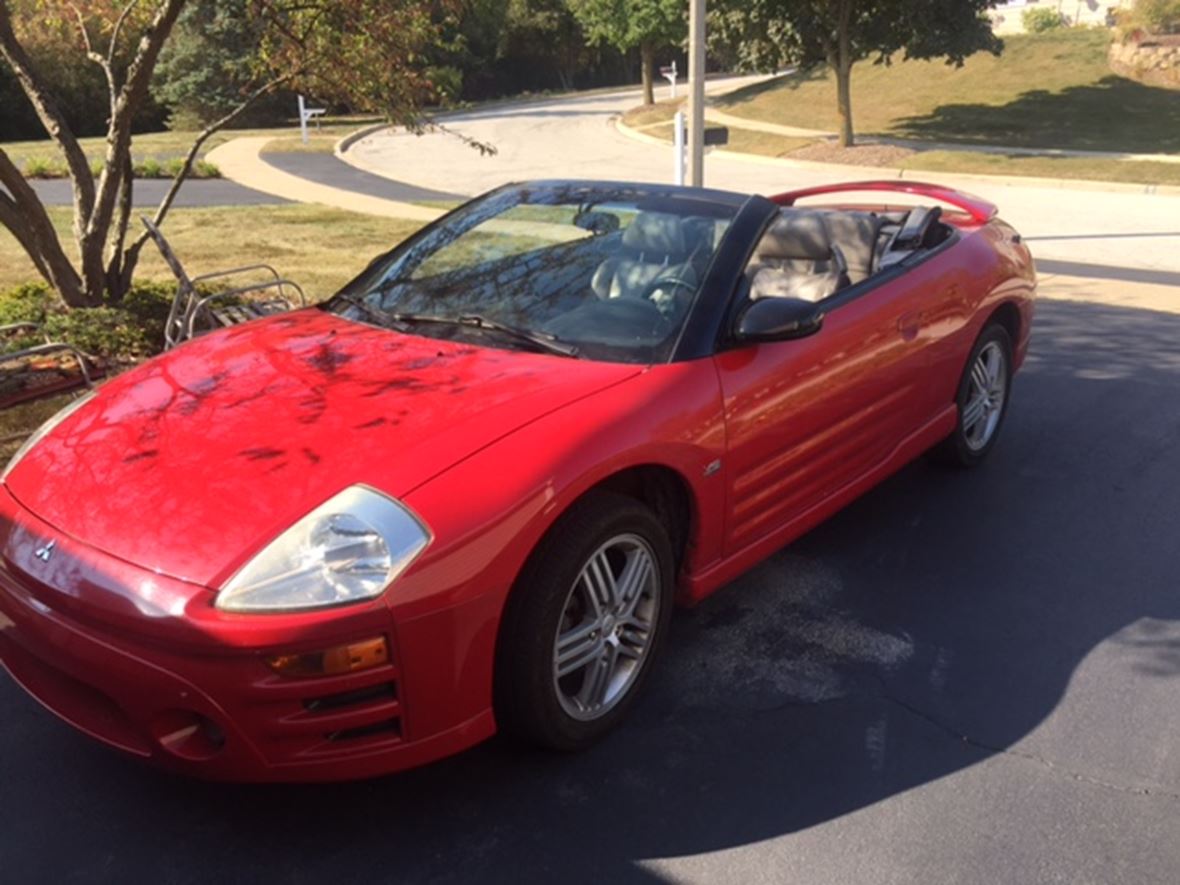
(42, 167)
(130, 331)
(26, 304)
(201, 169)
(1151, 16)
(149, 168)
(1038, 21)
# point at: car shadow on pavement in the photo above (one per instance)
(932, 625)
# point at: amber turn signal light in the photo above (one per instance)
(333, 661)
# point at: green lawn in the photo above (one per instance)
(164, 146)
(1046, 91)
(1086, 168)
(318, 247)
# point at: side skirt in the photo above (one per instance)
(696, 587)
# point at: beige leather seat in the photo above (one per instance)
(858, 236)
(797, 258)
(654, 245)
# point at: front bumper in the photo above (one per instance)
(178, 684)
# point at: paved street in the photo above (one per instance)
(966, 677)
(148, 193)
(573, 137)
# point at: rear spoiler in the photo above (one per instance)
(977, 207)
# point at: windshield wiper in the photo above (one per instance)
(371, 314)
(544, 341)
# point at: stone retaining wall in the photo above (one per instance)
(1157, 64)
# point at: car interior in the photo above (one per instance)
(812, 254)
(624, 282)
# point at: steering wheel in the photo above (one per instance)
(667, 305)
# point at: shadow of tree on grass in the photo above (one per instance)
(1114, 114)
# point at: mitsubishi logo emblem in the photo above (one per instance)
(45, 553)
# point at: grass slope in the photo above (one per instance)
(1051, 90)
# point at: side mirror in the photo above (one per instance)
(779, 319)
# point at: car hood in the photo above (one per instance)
(190, 463)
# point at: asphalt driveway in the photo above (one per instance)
(964, 677)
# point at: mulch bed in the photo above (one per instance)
(859, 155)
(40, 376)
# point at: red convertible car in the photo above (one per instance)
(466, 492)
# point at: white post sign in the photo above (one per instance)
(669, 73)
(678, 149)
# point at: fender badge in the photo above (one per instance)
(45, 553)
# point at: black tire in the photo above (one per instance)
(958, 449)
(527, 697)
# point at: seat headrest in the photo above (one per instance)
(655, 233)
(796, 235)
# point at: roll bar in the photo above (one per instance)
(978, 208)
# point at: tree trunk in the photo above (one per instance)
(844, 103)
(647, 56)
(843, 66)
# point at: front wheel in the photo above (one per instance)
(982, 399)
(584, 623)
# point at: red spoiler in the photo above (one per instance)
(977, 207)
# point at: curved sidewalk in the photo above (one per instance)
(240, 160)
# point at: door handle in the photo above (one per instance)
(908, 324)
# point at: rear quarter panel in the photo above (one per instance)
(996, 269)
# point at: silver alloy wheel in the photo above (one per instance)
(606, 627)
(985, 398)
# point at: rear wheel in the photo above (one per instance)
(584, 623)
(982, 399)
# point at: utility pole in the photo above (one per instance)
(696, 93)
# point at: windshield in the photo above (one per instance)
(593, 272)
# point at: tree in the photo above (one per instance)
(210, 64)
(627, 24)
(368, 52)
(767, 34)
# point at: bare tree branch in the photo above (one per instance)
(131, 257)
(118, 235)
(26, 218)
(11, 218)
(485, 148)
(114, 45)
(97, 58)
(51, 118)
(129, 99)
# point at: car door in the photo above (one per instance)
(807, 417)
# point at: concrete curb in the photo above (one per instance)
(240, 160)
(341, 146)
(1077, 184)
(352, 159)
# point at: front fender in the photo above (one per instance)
(488, 512)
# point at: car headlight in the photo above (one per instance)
(348, 549)
(44, 430)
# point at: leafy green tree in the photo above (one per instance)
(545, 34)
(767, 34)
(648, 25)
(210, 65)
(372, 54)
